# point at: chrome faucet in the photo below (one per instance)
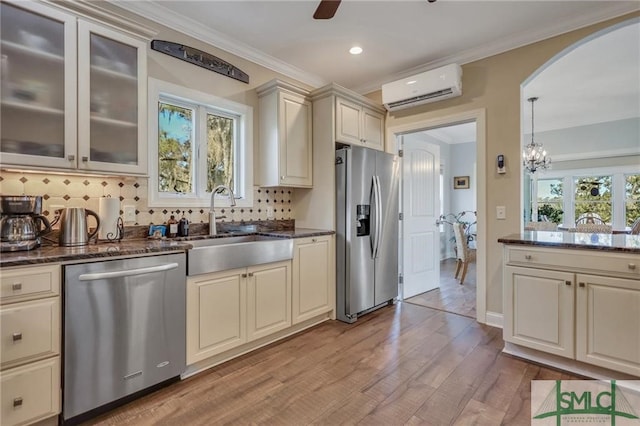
(212, 213)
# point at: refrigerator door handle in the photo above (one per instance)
(378, 207)
(373, 202)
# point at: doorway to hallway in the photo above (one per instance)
(452, 190)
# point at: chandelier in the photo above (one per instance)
(534, 157)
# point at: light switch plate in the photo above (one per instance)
(269, 210)
(129, 213)
(501, 212)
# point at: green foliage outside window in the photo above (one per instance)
(593, 195)
(219, 151)
(632, 198)
(175, 125)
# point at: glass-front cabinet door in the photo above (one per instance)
(112, 96)
(38, 86)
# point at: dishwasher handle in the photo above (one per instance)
(127, 273)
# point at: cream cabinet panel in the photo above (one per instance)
(358, 125)
(608, 322)
(30, 393)
(539, 309)
(39, 85)
(29, 331)
(313, 277)
(112, 99)
(216, 314)
(348, 122)
(373, 129)
(285, 136)
(269, 299)
(17, 284)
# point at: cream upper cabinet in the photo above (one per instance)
(357, 124)
(73, 92)
(285, 136)
(608, 322)
(313, 277)
(539, 309)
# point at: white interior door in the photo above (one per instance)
(421, 208)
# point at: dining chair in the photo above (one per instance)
(541, 226)
(590, 218)
(463, 254)
(592, 228)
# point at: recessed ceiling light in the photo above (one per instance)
(355, 50)
(412, 82)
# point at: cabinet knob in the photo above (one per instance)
(567, 282)
(71, 157)
(16, 286)
(85, 159)
(281, 177)
(313, 240)
(581, 284)
(632, 266)
(16, 336)
(250, 274)
(17, 402)
(527, 256)
(244, 275)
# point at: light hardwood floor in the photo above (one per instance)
(451, 296)
(403, 364)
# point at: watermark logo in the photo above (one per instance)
(585, 402)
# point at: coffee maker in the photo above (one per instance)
(21, 222)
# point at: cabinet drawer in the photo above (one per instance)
(29, 330)
(623, 264)
(30, 393)
(18, 284)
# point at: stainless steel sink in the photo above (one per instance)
(220, 254)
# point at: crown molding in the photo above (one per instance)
(156, 12)
(513, 42)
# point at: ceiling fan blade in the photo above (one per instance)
(326, 9)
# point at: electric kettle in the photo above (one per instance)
(74, 227)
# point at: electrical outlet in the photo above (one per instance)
(501, 212)
(269, 212)
(129, 213)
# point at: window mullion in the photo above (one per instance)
(201, 139)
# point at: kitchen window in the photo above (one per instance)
(198, 141)
(632, 198)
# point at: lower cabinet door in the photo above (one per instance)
(268, 299)
(30, 393)
(608, 322)
(312, 277)
(216, 313)
(539, 309)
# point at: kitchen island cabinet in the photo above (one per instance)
(83, 83)
(580, 304)
(30, 351)
(285, 136)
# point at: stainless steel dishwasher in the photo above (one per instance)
(124, 330)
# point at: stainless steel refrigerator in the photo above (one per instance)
(366, 231)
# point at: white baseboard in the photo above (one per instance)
(494, 319)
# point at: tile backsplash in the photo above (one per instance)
(84, 191)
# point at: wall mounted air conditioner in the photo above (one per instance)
(430, 86)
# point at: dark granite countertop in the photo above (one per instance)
(576, 240)
(131, 247)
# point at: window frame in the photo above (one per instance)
(617, 190)
(203, 104)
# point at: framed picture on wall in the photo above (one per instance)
(461, 182)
